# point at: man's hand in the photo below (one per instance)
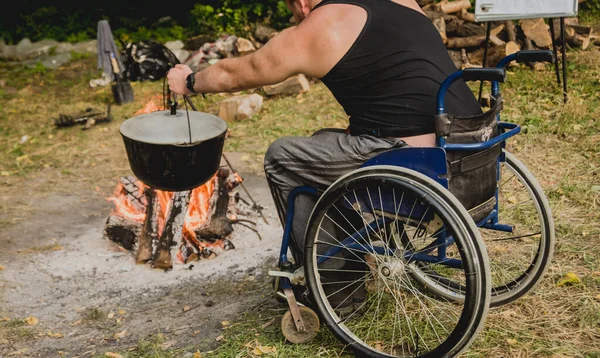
(177, 76)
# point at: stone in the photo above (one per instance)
(174, 45)
(181, 55)
(240, 107)
(194, 43)
(64, 47)
(244, 46)
(57, 60)
(90, 46)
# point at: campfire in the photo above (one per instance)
(197, 223)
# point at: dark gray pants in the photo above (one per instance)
(315, 161)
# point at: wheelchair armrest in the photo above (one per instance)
(484, 74)
(534, 56)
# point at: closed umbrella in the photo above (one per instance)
(110, 62)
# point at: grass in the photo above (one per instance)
(560, 144)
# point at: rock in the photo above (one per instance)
(226, 46)
(264, 33)
(181, 54)
(90, 46)
(244, 46)
(57, 60)
(64, 47)
(26, 50)
(174, 45)
(194, 43)
(240, 107)
(293, 85)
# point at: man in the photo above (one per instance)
(383, 60)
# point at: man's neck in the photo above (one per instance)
(313, 3)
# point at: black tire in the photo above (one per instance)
(519, 259)
(465, 319)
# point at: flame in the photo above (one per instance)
(196, 216)
(152, 106)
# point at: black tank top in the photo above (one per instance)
(390, 76)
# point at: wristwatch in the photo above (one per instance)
(190, 81)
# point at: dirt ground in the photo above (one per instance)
(90, 297)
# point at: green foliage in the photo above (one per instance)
(590, 11)
(236, 16)
(131, 22)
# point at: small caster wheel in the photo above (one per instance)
(311, 323)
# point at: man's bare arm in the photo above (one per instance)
(283, 56)
(311, 48)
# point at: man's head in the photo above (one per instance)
(301, 8)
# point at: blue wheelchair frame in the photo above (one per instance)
(432, 163)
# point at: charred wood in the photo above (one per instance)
(150, 228)
(122, 231)
(172, 231)
(133, 192)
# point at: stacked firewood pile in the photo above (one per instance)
(465, 38)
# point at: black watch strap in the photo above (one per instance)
(190, 81)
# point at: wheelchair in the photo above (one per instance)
(404, 256)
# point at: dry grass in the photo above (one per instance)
(560, 145)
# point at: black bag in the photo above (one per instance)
(472, 174)
(147, 61)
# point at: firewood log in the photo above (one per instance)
(122, 231)
(456, 57)
(450, 7)
(437, 18)
(172, 231)
(538, 31)
(149, 229)
(293, 85)
(452, 25)
(511, 30)
(469, 29)
(424, 2)
(464, 14)
(465, 42)
(495, 54)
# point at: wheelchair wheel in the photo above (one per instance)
(518, 259)
(359, 273)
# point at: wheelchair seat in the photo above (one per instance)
(471, 176)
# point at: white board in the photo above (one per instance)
(495, 10)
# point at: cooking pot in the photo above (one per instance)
(174, 150)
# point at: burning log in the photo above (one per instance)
(173, 230)
(197, 222)
(150, 228)
(133, 192)
(122, 231)
(189, 251)
(218, 225)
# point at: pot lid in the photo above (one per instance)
(162, 127)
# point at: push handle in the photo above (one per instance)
(484, 74)
(534, 56)
(494, 75)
